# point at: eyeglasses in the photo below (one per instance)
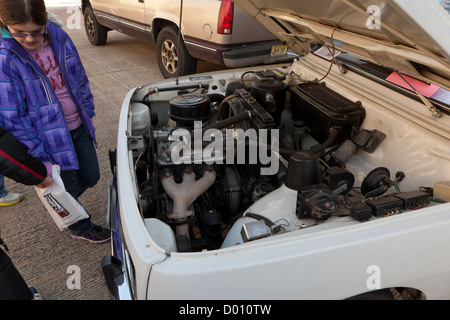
(26, 34)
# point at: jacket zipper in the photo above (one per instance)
(63, 58)
(41, 77)
(49, 97)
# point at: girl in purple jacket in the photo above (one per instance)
(46, 101)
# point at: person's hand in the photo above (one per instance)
(93, 124)
(48, 181)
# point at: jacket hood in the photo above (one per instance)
(405, 35)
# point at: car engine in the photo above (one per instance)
(209, 172)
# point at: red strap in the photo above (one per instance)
(34, 173)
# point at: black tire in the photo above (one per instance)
(173, 58)
(96, 33)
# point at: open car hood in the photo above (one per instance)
(409, 36)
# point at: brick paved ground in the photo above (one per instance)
(42, 253)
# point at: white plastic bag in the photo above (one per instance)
(63, 208)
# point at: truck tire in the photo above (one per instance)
(173, 58)
(96, 33)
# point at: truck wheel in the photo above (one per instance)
(96, 33)
(173, 57)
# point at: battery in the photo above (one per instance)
(321, 109)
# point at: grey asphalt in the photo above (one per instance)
(60, 267)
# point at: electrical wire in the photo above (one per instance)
(242, 78)
(333, 60)
(219, 109)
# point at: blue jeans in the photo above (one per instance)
(3, 191)
(87, 176)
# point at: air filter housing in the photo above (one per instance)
(187, 108)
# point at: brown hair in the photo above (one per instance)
(23, 11)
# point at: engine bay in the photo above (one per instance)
(268, 156)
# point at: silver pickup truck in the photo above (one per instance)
(216, 31)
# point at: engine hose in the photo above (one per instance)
(185, 87)
(327, 143)
(230, 121)
(225, 123)
(216, 97)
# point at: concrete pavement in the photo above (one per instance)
(60, 267)
(61, 3)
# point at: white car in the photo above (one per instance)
(328, 178)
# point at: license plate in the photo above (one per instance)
(278, 50)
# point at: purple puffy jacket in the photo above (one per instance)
(29, 108)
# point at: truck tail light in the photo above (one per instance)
(225, 17)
